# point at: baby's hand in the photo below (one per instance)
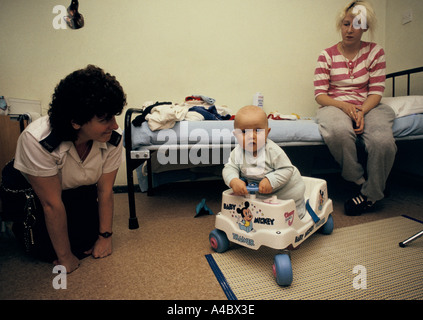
(265, 186)
(238, 187)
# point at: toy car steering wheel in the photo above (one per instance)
(252, 188)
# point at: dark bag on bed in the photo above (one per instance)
(137, 122)
(19, 203)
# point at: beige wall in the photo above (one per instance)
(404, 43)
(167, 49)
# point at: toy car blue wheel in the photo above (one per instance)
(218, 241)
(327, 228)
(282, 269)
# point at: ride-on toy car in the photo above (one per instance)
(255, 220)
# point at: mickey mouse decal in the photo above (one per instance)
(246, 223)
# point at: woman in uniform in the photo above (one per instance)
(70, 158)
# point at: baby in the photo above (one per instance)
(259, 160)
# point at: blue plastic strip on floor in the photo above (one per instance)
(221, 278)
(411, 218)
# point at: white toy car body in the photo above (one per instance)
(256, 220)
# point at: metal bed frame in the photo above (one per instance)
(135, 158)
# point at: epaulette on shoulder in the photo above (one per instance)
(50, 142)
(115, 138)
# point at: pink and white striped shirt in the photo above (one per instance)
(332, 75)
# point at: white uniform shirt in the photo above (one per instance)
(34, 159)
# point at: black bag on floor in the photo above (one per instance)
(22, 206)
(19, 203)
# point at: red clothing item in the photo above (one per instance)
(351, 80)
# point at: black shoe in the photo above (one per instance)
(357, 205)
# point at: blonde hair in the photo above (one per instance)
(371, 20)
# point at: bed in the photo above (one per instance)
(192, 150)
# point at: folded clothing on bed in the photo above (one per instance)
(210, 113)
(164, 115)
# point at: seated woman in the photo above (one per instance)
(71, 158)
(349, 82)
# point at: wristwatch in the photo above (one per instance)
(105, 234)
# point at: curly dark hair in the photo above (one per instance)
(80, 96)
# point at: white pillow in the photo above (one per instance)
(405, 105)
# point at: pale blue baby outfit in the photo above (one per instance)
(273, 163)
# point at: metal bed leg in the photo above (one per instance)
(407, 241)
(133, 220)
(149, 178)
